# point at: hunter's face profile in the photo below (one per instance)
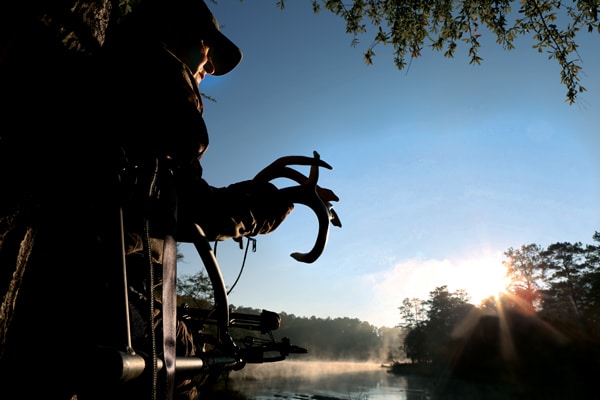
(205, 63)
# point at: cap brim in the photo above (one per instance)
(225, 54)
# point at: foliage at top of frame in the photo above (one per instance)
(444, 24)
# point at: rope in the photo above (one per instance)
(243, 262)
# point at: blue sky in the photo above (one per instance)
(439, 168)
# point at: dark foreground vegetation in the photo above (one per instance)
(515, 356)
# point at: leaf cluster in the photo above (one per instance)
(443, 25)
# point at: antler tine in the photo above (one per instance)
(276, 168)
(327, 195)
(333, 217)
(299, 177)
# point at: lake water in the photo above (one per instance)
(311, 380)
(315, 380)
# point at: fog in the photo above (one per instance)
(303, 369)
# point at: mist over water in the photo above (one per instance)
(324, 380)
(307, 369)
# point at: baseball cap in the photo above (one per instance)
(224, 53)
(182, 23)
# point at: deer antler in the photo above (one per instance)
(308, 193)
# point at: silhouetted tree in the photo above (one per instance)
(412, 312)
(195, 289)
(526, 269)
(571, 300)
(591, 282)
(427, 341)
(444, 311)
(415, 345)
(566, 266)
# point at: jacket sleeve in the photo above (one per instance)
(246, 208)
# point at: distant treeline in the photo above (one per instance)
(342, 339)
(338, 338)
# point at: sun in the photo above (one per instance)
(481, 277)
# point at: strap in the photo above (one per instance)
(169, 303)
